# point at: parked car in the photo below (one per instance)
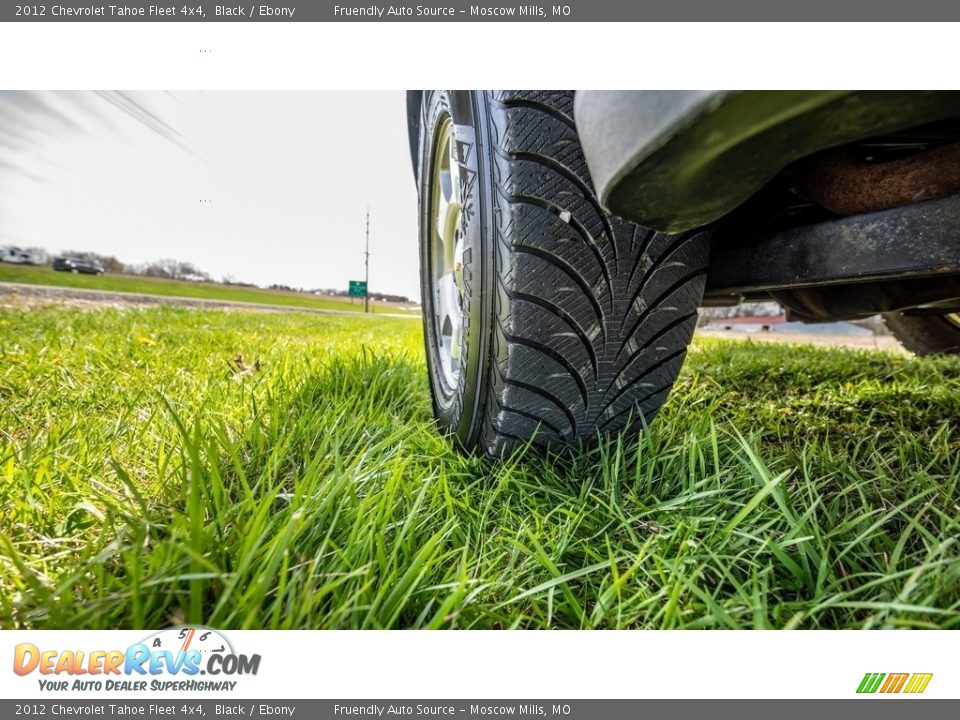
(568, 239)
(78, 265)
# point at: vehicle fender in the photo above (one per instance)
(414, 110)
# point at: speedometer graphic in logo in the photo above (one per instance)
(189, 637)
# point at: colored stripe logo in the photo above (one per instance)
(914, 683)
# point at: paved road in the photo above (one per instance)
(39, 294)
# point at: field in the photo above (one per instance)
(178, 288)
(148, 478)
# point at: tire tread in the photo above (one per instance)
(578, 345)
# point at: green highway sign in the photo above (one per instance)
(358, 288)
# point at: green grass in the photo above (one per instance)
(143, 482)
(179, 288)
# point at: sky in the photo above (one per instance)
(264, 187)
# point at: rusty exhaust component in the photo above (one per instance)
(842, 183)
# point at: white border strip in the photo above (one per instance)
(364, 56)
(569, 664)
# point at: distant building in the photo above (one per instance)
(749, 323)
(779, 324)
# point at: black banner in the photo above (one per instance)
(495, 11)
(170, 709)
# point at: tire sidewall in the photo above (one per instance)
(458, 410)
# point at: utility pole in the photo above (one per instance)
(366, 254)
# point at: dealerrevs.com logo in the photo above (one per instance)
(889, 683)
(172, 659)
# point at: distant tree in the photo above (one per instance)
(173, 270)
(231, 280)
(157, 269)
(341, 292)
(390, 298)
(188, 271)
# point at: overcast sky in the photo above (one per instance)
(288, 176)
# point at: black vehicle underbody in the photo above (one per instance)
(838, 205)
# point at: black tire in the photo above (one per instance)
(926, 334)
(576, 323)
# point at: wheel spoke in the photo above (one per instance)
(450, 316)
(448, 253)
(448, 210)
(454, 170)
(446, 213)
